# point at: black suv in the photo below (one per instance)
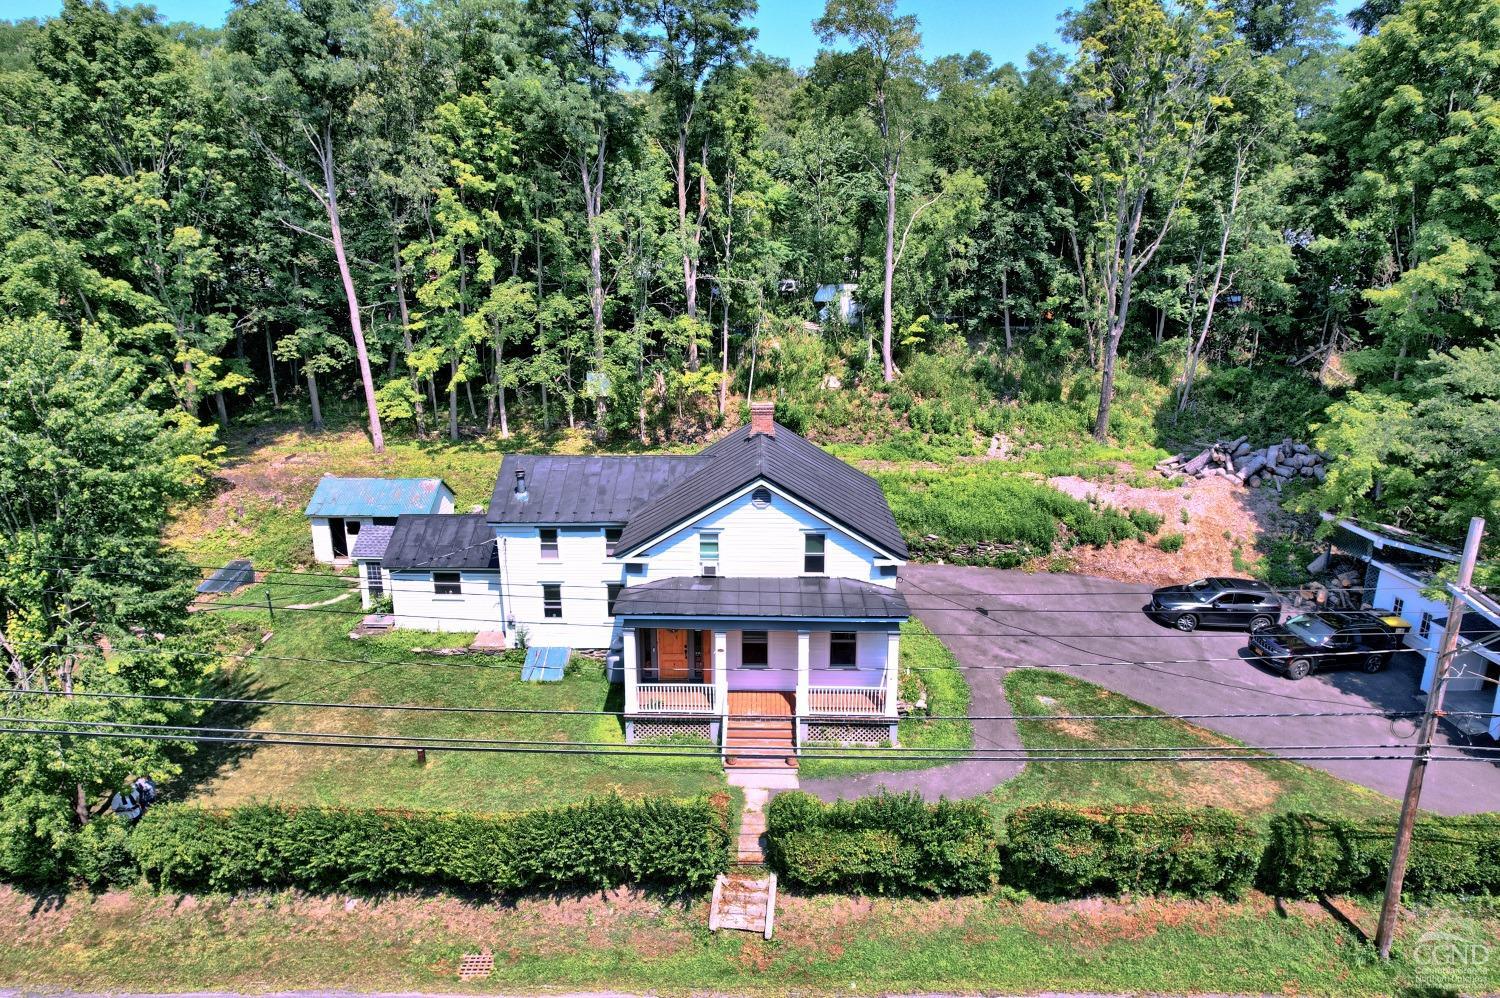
(1367, 639)
(1239, 603)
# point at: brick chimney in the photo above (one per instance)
(763, 418)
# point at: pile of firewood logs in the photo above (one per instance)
(1275, 464)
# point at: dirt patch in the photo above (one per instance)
(1092, 923)
(1082, 730)
(1221, 517)
(1242, 787)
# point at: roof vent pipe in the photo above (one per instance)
(520, 486)
(763, 418)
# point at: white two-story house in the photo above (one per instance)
(746, 593)
(753, 580)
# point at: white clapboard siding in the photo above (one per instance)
(416, 606)
(764, 543)
(581, 569)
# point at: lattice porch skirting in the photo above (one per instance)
(849, 733)
(652, 728)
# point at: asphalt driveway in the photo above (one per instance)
(995, 620)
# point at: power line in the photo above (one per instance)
(567, 712)
(310, 740)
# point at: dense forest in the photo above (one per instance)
(469, 216)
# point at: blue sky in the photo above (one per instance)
(1004, 29)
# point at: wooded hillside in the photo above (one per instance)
(459, 215)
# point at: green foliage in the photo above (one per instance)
(1056, 850)
(669, 845)
(1171, 542)
(1311, 854)
(98, 854)
(886, 844)
(1146, 521)
(1019, 516)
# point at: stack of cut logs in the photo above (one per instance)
(1236, 460)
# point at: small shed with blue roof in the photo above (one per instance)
(341, 508)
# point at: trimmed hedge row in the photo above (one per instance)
(1309, 854)
(888, 844)
(897, 844)
(659, 843)
(1057, 851)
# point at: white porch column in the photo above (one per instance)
(892, 671)
(630, 668)
(721, 672)
(804, 670)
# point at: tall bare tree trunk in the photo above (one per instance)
(887, 358)
(453, 400)
(405, 313)
(336, 233)
(593, 202)
(312, 398)
(271, 369)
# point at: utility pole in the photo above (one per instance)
(1385, 933)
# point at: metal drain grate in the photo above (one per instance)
(475, 965)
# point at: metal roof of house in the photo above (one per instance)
(371, 542)
(694, 596)
(576, 489)
(442, 541)
(336, 496)
(803, 470)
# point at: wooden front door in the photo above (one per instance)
(672, 656)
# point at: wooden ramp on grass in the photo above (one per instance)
(744, 901)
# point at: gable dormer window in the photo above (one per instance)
(708, 552)
(611, 538)
(814, 560)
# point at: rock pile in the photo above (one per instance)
(1275, 464)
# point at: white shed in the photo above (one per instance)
(342, 507)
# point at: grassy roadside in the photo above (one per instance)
(823, 945)
(1256, 789)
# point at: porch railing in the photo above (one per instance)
(676, 698)
(846, 700)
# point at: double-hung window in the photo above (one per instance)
(447, 584)
(1425, 627)
(755, 650)
(841, 650)
(552, 599)
(1398, 606)
(814, 561)
(611, 593)
(611, 538)
(708, 552)
(549, 543)
(374, 578)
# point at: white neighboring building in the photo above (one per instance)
(838, 300)
(1399, 573)
(341, 508)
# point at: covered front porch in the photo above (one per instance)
(679, 662)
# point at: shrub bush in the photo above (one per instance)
(665, 844)
(1308, 855)
(1146, 521)
(1170, 542)
(887, 844)
(1055, 850)
(99, 854)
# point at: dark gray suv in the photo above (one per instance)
(1240, 604)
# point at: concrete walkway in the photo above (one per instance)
(971, 638)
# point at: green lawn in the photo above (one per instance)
(823, 945)
(309, 656)
(1252, 788)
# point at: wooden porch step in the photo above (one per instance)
(744, 902)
